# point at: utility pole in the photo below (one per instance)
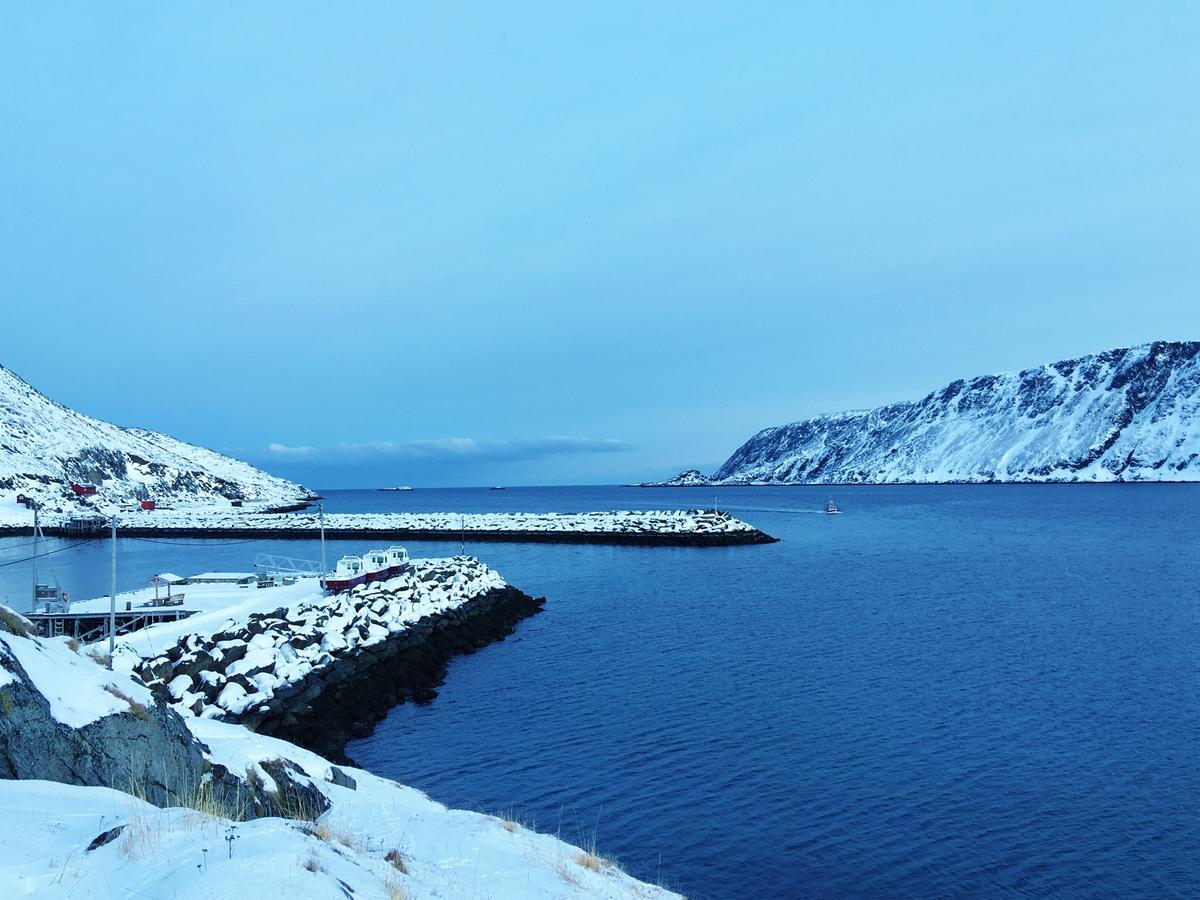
(33, 601)
(321, 507)
(112, 596)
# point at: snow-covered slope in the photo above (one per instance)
(1122, 415)
(686, 478)
(44, 447)
(368, 839)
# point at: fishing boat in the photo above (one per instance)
(397, 561)
(831, 508)
(496, 487)
(399, 487)
(346, 574)
(376, 565)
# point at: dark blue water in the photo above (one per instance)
(944, 691)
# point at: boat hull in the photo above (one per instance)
(337, 585)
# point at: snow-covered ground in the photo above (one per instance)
(45, 446)
(378, 839)
(274, 637)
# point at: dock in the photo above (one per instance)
(86, 627)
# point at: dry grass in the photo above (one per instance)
(395, 890)
(14, 623)
(320, 830)
(565, 873)
(396, 858)
(592, 861)
(351, 841)
(313, 865)
(138, 709)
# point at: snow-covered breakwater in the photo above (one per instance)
(322, 669)
(691, 527)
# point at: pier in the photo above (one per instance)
(87, 627)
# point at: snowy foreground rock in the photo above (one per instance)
(236, 814)
(45, 447)
(1123, 415)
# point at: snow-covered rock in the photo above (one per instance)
(618, 522)
(1123, 415)
(686, 478)
(45, 446)
(296, 827)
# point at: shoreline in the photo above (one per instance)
(321, 671)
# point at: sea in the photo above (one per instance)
(942, 691)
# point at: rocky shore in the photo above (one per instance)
(107, 789)
(323, 671)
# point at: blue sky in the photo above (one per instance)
(539, 243)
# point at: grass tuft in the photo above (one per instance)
(138, 709)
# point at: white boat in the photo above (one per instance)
(346, 574)
(397, 560)
(399, 487)
(831, 508)
(376, 565)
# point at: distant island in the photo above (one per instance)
(1125, 415)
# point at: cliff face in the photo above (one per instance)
(45, 446)
(1123, 415)
(65, 718)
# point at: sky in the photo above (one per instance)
(554, 243)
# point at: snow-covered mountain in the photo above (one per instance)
(686, 478)
(45, 446)
(1122, 415)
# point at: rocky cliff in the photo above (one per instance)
(45, 446)
(1123, 415)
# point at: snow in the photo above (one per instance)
(656, 521)
(1123, 415)
(79, 691)
(182, 854)
(45, 828)
(45, 446)
(305, 627)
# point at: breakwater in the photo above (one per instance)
(664, 528)
(327, 669)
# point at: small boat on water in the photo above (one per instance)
(399, 487)
(831, 508)
(495, 487)
(346, 574)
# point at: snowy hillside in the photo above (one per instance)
(1122, 415)
(44, 447)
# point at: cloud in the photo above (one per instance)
(451, 449)
(282, 451)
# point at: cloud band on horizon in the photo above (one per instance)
(454, 448)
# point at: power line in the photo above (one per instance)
(177, 541)
(14, 562)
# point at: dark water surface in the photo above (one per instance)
(943, 691)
